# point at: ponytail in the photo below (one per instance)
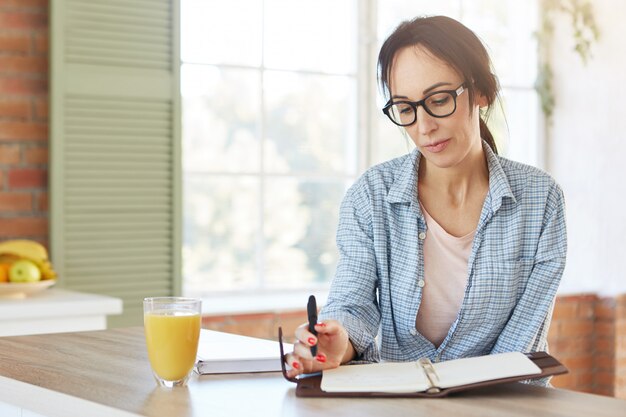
(486, 135)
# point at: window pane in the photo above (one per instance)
(522, 115)
(506, 27)
(310, 123)
(221, 32)
(221, 121)
(220, 233)
(315, 36)
(390, 141)
(269, 151)
(300, 222)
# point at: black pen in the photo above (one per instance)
(311, 309)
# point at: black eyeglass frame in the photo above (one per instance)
(415, 104)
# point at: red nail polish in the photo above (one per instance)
(320, 358)
(295, 365)
(321, 324)
(311, 341)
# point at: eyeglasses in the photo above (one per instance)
(437, 104)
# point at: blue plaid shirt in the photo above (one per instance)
(514, 269)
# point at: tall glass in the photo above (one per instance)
(172, 329)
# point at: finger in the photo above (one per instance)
(328, 327)
(294, 363)
(308, 343)
(303, 351)
(300, 365)
(305, 336)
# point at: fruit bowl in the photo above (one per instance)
(23, 289)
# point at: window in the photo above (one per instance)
(281, 114)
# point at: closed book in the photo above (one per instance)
(220, 353)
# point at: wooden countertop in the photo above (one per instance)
(106, 373)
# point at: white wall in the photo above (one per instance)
(587, 152)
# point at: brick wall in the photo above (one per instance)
(604, 346)
(571, 340)
(263, 325)
(24, 119)
(588, 334)
(620, 347)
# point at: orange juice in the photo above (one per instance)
(172, 341)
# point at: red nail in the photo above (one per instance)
(295, 365)
(321, 324)
(320, 358)
(311, 341)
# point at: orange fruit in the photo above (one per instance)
(4, 272)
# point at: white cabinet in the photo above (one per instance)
(56, 311)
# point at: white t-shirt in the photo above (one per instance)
(445, 278)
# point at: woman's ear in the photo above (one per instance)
(481, 100)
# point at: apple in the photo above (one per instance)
(24, 271)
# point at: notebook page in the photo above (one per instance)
(377, 377)
(484, 368)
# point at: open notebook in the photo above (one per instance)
(402, 377)
(423, 378)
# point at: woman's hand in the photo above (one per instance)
(333, 348)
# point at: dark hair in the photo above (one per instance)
(453, 43)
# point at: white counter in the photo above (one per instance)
(56, 311)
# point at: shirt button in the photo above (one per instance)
(413, 332)
(420, 283)
(422, 235)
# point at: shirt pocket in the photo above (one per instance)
(496, 287)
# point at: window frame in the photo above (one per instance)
(367, 129)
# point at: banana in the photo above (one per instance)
(46, 270)
(24, 249)
(13, 250)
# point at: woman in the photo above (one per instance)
(451, 251)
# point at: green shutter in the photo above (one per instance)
(115, 149)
